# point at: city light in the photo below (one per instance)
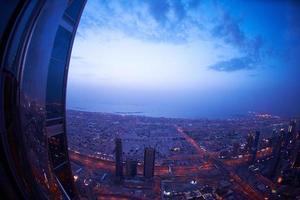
(279, 180)
(163, 110)
(75, 178)
(149, 99)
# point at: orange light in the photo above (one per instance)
(279, 180)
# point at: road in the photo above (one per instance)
(226, 166)
(97, 163)
(247, 190)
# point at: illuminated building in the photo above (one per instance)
(119, 158)
(292, 129)
(149, 162)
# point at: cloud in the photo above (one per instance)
(234, 64)
(292, 34)
(177, 22)
(253, 56)
(179, 9)
(154, 20)
(162, 10)
(229, 30)
(159, 9)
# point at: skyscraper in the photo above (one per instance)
(235, 148)
(294, 142)
(282, 136)
(149, 160)
(119, 158)
(131, 167)
(278, 146)
(296, 163)
(255, 146)
(292, 129)
(274, 167)
(249, 142)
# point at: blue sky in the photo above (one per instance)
(215, 57)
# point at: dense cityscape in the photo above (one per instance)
(149, 100)
(122, 156)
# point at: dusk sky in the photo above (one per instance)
(187, 58)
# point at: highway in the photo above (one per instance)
(247, 190)
(226, 167)
(163, 171)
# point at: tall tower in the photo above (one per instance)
(249, 142)
(294, 142)
(282, 136)
(255, 146)
(296, 162)
(292, 129)
(278, 147)
(235, 148)
(119, 158)
(274, 167)
(149, 160)
(131, 168)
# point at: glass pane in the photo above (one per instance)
(74, 9)
(55, 89)
(61, 44)
(57, 149)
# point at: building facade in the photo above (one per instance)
(119, 158)
(149, 162)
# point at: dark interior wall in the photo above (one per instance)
(10, 11)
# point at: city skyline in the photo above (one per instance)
(180, 56)
(256, 157)
(165, 99)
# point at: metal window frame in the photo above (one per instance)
(15, 150)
